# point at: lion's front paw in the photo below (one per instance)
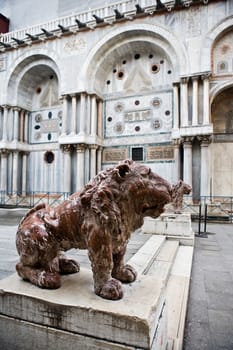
(68, 266)
(125, 274)
(112, 290)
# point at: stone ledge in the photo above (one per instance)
(132, 321)
(176, 226)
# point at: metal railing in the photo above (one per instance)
(214, 208)
(30, 199)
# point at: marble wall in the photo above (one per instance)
(138, 87)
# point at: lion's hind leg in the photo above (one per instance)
(41, 277)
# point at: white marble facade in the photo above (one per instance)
(84, 85)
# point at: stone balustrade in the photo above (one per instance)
(107, 14)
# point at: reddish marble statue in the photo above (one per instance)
(178, 191)
(100, 218)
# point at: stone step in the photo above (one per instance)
(177, 296)
(163, 262)
(146, 255)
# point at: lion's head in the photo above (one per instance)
(128, 189)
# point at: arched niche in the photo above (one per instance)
(35, 75)
(222, 159)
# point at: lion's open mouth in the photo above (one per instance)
(147, 208)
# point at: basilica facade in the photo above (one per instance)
(83, 86)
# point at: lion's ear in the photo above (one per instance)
(123, 169)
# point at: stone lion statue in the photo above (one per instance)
(100, 218)
(178, 191)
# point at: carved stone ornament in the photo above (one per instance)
(100, 218)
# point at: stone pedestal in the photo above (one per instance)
(171, 225)
(73, 317)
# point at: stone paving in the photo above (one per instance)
(209, 323)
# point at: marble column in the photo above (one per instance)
(24, 173)
(100, 118)
(88, 115)
(26, 121)
(176, 145)
(176, 105)
(187, 146)
(99, 159)
(15, 172)
(21, 127)
(82, 113)
(184, 102)
(205, 173)
(4, 155)
(64, 114)
(5, 123)
(195, 101)
(93, 160)
(73, 114)
(67, 168)
(206, 103)
(80, 149)
(16, 123)
(93, 116)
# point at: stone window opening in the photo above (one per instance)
(137, 153)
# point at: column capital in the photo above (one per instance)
(93, 146)
(25, 153)
(184, 80)
(16, 109)
(206, 76)
(176, 84)
(80, 147)
(195, 78)
(176, 142)
(4, 152)
(187, 140)
(205, 140)
(66, 148)
(63, 97)
(6, 106)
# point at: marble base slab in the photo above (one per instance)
(171, 225)
(75, 313)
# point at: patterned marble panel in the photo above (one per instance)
(45, 125)
(139, 115)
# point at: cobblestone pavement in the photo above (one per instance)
(209, 322)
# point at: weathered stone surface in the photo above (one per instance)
(132, 321)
